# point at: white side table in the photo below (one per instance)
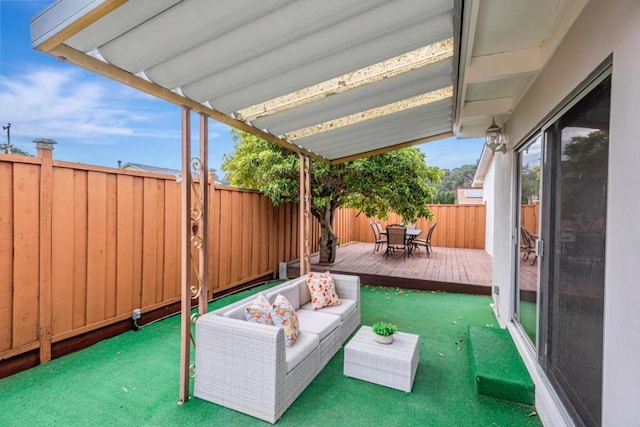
(392, 365)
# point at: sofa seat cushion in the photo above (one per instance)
(321, 324)
(343, 310)
(305, 344)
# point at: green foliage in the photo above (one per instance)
(384, 329)
(585, 170)
(18, 151)
(461, 177)
(444, 198)
(452, 179)
(530, 183)
(395, 181)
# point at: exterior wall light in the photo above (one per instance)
(493, 138)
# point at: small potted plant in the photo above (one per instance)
(384, 332)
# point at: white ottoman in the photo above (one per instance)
(392, 365)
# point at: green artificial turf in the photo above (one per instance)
(133, 379)
(497, 367)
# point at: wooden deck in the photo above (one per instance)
(448, 269)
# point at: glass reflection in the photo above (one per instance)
(530, 168)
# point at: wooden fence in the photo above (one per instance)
(459, 226)
(529, 217)
(82, 246)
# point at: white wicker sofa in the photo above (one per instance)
(246, 366)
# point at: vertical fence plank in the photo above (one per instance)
(79, 248)
(255, 243)
(111, 247)
(6, 255)
(171, 287)
(159, 241)
(226, 212)
(62, 236)
(96, 246)
(245, 234)
(124, 245)
(149, 242)
(236, 237)
(138, 227)
(26, 230)
(214, 239)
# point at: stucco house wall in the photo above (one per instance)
(604, 28)
(488, 200)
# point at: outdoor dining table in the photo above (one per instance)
(412, 233)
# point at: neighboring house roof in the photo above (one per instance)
(152, 169)
(156, 169)
(469, 196)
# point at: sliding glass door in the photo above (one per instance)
(529, 173)
(574, 236)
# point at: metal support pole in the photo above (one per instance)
(203, 262)
(185, 276)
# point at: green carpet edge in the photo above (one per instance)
(498, 370)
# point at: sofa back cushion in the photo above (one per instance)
(305, 295)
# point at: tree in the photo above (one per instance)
(396, 181)
(584, 181)
(460, 177)
(530, 184)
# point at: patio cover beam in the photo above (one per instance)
(392, 148)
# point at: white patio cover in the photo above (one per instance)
(335, 79)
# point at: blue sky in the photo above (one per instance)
(98, 121)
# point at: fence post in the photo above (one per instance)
(45, 153)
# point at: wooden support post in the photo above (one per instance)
(44, 299)
(307, 213)
(185, 275)
(301, 229)
(203, 265)
(304, 215)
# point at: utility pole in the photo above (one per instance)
(7, 147)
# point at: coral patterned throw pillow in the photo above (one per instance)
(323, 290)
(259, 311)
(284, 315)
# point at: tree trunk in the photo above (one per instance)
(328, 239)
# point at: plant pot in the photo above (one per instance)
(383, 340)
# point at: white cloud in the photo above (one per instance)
(60, 103)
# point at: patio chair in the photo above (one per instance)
(527, 245)
(379, 239)
(426, 242)
(396, 239)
